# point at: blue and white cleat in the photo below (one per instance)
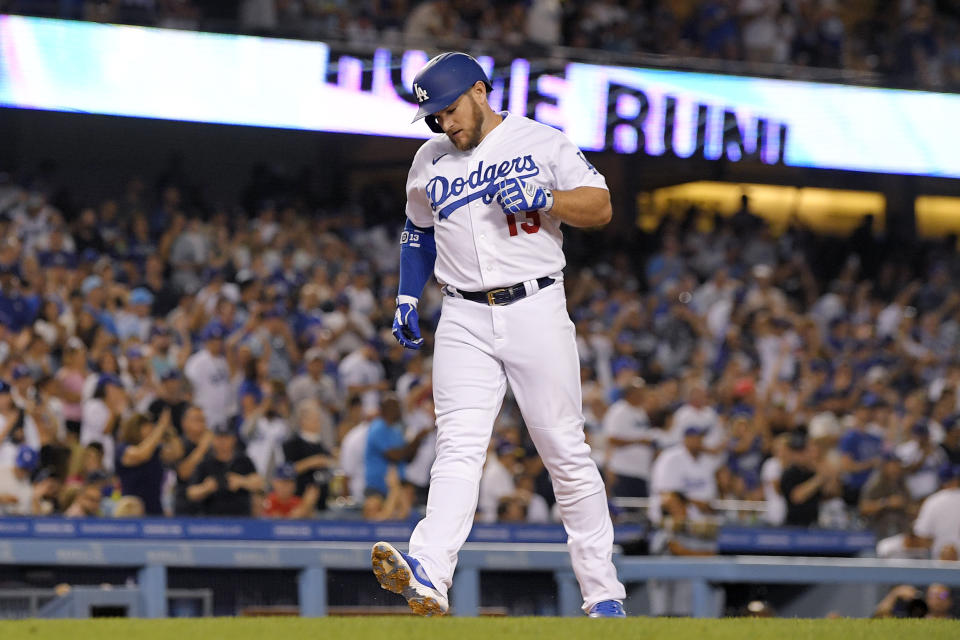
(400, 573)
(607, 609)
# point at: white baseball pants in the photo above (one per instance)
(531, 345)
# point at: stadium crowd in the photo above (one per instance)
(160, 357)
(912, 43)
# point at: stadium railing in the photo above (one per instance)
(314, 559)
(250, 544)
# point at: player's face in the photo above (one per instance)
(462, 122)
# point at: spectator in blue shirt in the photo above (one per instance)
(387, 446)
(861, 453)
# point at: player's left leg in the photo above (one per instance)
(540, 359)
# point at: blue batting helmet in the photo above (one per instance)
(444, 79)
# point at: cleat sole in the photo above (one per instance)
(427, 607)
(393, 576)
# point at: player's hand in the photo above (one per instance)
(406, 326)
(515, 195)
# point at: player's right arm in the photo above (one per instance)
(418, 253)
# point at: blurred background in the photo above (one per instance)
(198, 264)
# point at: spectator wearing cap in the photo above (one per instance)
(103, 414)
(697, 412)
(682, 481)
(283, 501)
(16, 489)
(171, 395)
(885, 500)
(631, 441)
(196, 440)
(938, 522)
(225, 481)
(94, 295)
(209, 375)
(314, 382)
(682, 484)
(134, 321)
(263, 424)
(22, 389)
(17, 427)
(763, 293)
(922, 460)
(18, 306)
(144, 449)
(807, 482)
(164, 354)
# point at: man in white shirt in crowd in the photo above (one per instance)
(102, 415)
(697, 412)
(681, 472)
(16, 490)
(938, 523)
(353, 449)
(362, 374)
(209, 375)
(682, 484)
(314, 382)
(421, 415)
(922, 459)
(630, 442)
(497, 479)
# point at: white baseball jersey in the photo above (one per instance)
(624, 420)
(678, 471)
(478, 246)
(352, 451)
(530, 344)
(939, 518)
(92, 427)
(210, 377)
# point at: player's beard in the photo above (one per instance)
(474, 134)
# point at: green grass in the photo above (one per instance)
(399, 628)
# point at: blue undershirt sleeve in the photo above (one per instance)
(418, 252)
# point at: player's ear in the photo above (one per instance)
(479, 90)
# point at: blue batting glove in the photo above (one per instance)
(516, 195)
(406, 326)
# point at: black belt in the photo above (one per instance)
(503, 295)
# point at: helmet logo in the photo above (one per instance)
(420, 92)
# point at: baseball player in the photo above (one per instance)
(485, 201)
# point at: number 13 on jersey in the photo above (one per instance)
(532, 225)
